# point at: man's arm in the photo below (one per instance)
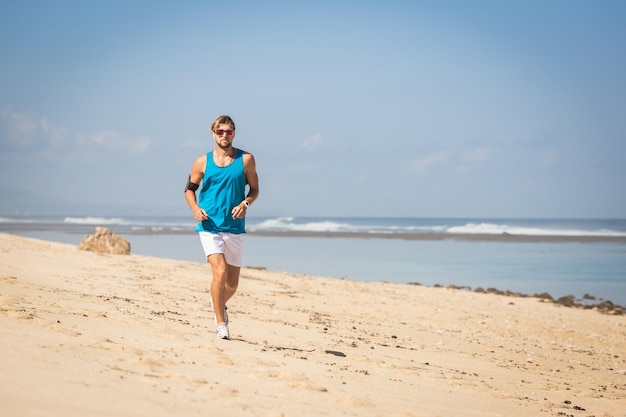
(195, 178)
(252, 178)
(249, 166)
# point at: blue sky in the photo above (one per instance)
(351, 108)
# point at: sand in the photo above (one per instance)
(113, 335)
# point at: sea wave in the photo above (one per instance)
(14, 220)
(288, 224)
(291, 224)
(418, 226)
(96, 221)
(437, 228)
(492, 229)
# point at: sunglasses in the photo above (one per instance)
(220, 132)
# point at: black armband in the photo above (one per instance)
(191, 185)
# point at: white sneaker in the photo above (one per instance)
(222, 331)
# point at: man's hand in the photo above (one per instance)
(200, 215)
(239, 211)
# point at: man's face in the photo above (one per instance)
(223, 135)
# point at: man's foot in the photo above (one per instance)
(222, 331)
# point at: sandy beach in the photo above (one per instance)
(85, 334)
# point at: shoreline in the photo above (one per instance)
(581, 296)
(586, 302)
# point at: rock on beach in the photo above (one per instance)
(105, 241)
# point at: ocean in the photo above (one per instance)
(559, 256)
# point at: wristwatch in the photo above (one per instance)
(246, 203)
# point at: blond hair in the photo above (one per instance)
(220, 120)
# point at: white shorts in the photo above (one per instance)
(228, 244)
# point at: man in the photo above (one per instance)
(220, 211)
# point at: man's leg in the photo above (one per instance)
(232, 281)
(224, 284)
(218, 285)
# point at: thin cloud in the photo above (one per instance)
(314, 141)
(117, 141)
(24, 131)
(57, 136)
(476, 155)
(421, 165)
(17, 130)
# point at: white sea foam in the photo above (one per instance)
(165, 224)
(493, 229)
(14, 220)
(288, 224)
(390, 226)
(428, 229)
(96, 220)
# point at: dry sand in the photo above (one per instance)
(111, 335)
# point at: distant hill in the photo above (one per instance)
(15, 202)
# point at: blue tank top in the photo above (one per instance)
(222, 189)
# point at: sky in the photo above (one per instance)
(350, 108)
